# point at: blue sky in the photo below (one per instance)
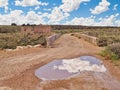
(71, 12)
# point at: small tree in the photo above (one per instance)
(28, 24)
(13, 24)
(23, 25)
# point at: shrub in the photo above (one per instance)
(29, 40)
(42, 40)
(114, 56)
(10, 46)
(111, 52)
(13, 24)
(24, 41)
(2, 44)
(115, 48)
(9, 29)
(72, 34)
(12, 40)
(102, 42)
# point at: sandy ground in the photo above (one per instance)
(17, 68)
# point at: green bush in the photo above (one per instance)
(106, 36)
(8, 42)
(24, 41)
(9, 29)
(102, 42)
(42, 40)
(10, 46)
(114, 56)
(104, 53)
(115, 48)
(28, 40)
(2, 44)
(111, 52)
(12, 40)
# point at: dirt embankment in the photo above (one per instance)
(17, 67)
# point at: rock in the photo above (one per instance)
(9, 49)
(5, 88)
(39, 45)
(29, 46)
(19, 47)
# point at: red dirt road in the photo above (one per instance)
(17, 68)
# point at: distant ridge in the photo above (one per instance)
(61, 27)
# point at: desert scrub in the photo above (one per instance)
(111, 52)
(76, 35)
(72, 34)
(115, 48)
(67, 31)
(9, 40)
(106, 36)
(12, 40)
(102, 42)
(9, 29)
(29, 40)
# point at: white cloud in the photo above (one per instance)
(44, 4)
(12, 17)
(115, 7)
(57, 15)
(81, 21)
(90, 21)
(102, 7)
(44, 14)
(6, 9)
(37, 7)
(77, 65)
(109, 21)
(85, 3)
(117, 22)
(18, 17)
(47, 9)
(62, 12)
(39, 13)
(70, 5)
(3, 3)
(25, 3)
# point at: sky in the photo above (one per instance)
(67, 12)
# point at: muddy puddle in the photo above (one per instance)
(67, 68)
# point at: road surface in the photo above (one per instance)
(17, 67)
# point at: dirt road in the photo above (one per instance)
(17, 68)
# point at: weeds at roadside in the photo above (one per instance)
(11, 41)
(109, 55)
(112, 52)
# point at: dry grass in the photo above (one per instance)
(12, 40)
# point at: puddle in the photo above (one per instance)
(66, 68)
(92, 60)
(49, 72)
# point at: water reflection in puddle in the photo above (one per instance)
(66, 68)
(48, 72)
(92, 60)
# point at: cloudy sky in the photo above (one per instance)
(71, 12)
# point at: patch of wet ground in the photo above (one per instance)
(66, 68)
(83, 73)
